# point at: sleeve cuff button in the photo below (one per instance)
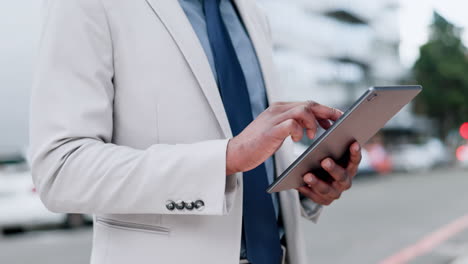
(199, 205)
(180, 205)
(170, 205)
(189, 205)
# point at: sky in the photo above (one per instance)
(20, 28)
(416, 16)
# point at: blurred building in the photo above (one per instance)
(330, 51)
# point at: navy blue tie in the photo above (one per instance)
(260, 228)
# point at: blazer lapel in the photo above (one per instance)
(174, 19)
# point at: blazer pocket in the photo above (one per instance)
(133, 226)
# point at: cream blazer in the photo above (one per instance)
(126, 116)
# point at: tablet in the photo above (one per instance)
(359, 123)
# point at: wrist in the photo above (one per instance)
(233, 158)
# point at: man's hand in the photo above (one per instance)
(265, 135)
(325, 193)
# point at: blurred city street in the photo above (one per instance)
(408, 204)
(47, 247)
(378, 218)
(381, 216)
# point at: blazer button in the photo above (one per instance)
(180, 205)
(170, 205)
(189, 205)
(199, 205)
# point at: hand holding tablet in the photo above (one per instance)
(363, 120)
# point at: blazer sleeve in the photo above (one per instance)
(75, 166)
(310, 209)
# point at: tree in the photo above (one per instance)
(442, 69)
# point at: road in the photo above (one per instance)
(378, 218)
(51, 247)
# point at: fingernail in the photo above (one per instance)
(356, 147)
(312, 135)
(310, 179)
(327, 164)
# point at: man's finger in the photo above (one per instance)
(354, 158)
(281, 107)
(324, 123)
(306, 191)
(285, 103)
(337, 172)
(322, 188)
(304, 116)
(321, 111)
(324, 112)
(343, 186)
(287, 128)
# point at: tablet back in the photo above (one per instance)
(362, 120)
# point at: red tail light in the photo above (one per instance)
(462, 153)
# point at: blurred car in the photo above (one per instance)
(366, 167)
(378, 156)
(419, 157)
(462, 155)
(21, 207)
